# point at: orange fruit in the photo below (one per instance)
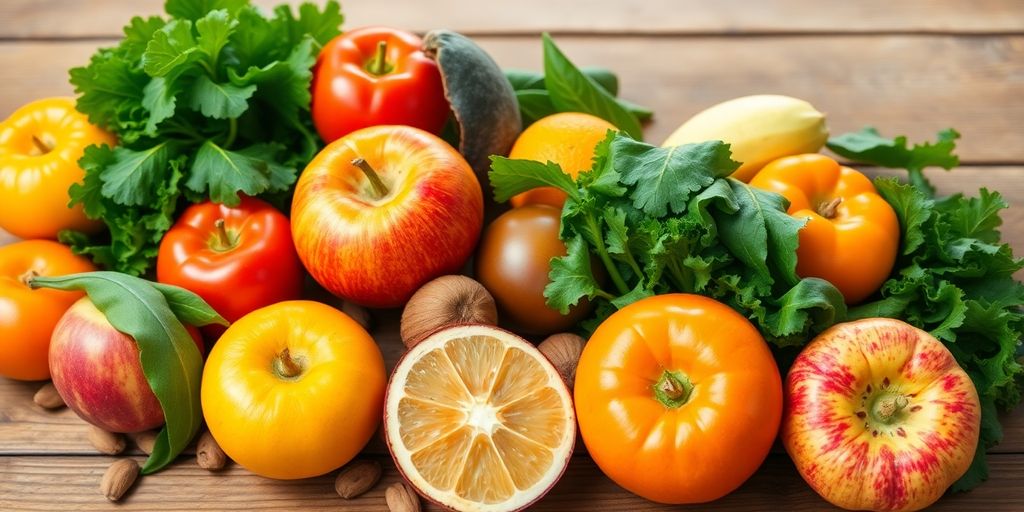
(477, 418)
(567, 139)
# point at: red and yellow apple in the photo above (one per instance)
(382, 210)
(879, 416)
(97, 371)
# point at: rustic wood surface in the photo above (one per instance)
(911, 67)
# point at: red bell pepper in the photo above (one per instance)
(376, 76)
(238, 259)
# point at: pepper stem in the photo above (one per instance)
(224, 241)
(673, 389)
(887, 407)
(43, 147)
(828, 208)
(379, 64)
(371, 174)
(28, 276)
(286, 366)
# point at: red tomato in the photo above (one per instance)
(238, 259)
(376, 76)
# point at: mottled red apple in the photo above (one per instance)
(879, 416)
(97, 371)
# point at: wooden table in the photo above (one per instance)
(909, 67)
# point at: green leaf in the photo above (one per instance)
(869, 147)
(522, 79)
(170, 359)
(664, 179)
(573, 91)
(160, 99)
(571, 277)
(761, 234)
(219, 101)
(107, 86)
(283, 85)
(511, 177)
(214, 30)
(812, 304)
(132, 175)
(534, 104)
(171, 48)
(189, 307)
(137, 35)
(322, 26)
(912, 208)
(223, 174)
(195, 9)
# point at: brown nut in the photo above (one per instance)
(357, 477)
(48, 398)
(108, 443)
(445, 301)
(209, 455)
(358, 313)
(120, 477)
(563, 350)
(145, 440)
(401, 498)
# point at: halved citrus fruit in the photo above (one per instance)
(477, 419)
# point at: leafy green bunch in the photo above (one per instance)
(207, 103)
(954, 276)
(660, 220)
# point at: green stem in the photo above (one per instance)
(224, 241)
(209, 70)
(232, 133)
(631, 261)
(604, 295)
(379, 65)
(682, 277)
(606, 259)
(673, 389)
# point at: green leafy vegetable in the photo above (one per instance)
(953, 278)
(566, 88)
(869, 147)
(215, 96)
(152, 315)
(669, 220)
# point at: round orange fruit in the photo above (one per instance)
(567, 139)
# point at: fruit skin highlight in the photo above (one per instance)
(879, 416)
(758, 129)
(678, 398)
(293, 390)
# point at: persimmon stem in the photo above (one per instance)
(828, 208)
(43, 147)
(371, 174)
(287, 366)
(379, 65)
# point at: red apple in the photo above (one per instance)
(382, 210)
(97, 371)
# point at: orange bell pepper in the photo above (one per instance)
(852, 234)
(40, 144)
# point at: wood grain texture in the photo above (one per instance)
(33, 484)
(98, 18)
(913, 85)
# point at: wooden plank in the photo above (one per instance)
(33, 483)
(97, 18)
(898, 83)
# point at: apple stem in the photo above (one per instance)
(27, 277)
(288, 367)
(379, 64)
(828, 208)
(378, 185)
(43, 147)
